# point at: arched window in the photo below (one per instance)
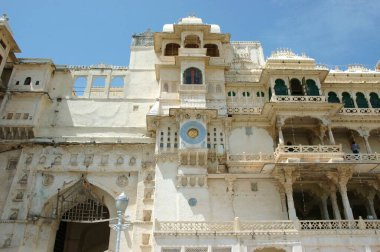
(280, 87)
(231, 93)
(347, 100)
(361, 101)
(192, 41)
(296, 87)
(79, 86)
(246, 94)
(374, 99)
(27, 81)
(171, 49)
(260, 94)
(117, 82)
(192, 75)
(311, 88)
(333, 98)
(212, 50)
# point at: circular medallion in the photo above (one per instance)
(193, 132)
(192, 201)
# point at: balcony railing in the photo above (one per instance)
(258, 157)
(291, 98)
(309, 153)
(192, 88)
(362, 157)
(284, 227)
(360, 111)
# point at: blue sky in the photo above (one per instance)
(86, 32)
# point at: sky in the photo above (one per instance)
(87, 32)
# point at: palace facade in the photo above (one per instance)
(217, 148)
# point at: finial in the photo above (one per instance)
(192, 14)
(5, 17)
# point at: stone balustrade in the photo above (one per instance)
(360, 111)
(309, 153)
(257, 157)
(192, 88)
(285, 227)
(291, 98)
(308, 149)
(362, 157)
(195, 52)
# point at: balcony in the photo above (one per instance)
(309, 153)
(290, 98)
(267, 228)
(192, 88)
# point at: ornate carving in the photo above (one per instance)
(42, 159)
(132, 161)
(122, 181)
(47, 179)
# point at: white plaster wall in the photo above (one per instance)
(142, 85)
(241, 141)
(38, 72)
(142, 58)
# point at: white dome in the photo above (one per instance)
(168, 28)
(215, 28)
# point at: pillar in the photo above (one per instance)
(342, 185)
(280, 123)
(331, 136)
(370, 198)
(334, 204)
(368, 147)
(288, 185)
(325, 211)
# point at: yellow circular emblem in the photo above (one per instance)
(193, 132)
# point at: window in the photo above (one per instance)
(218, 89)
(333, 98)
(99, 82)
(212, 50)
(231, 93)
(2, 43)
(361, 101)
(117, 82)
(17, 83)
(246, 94)
(135, 107)
(296, 87)
(192, 41)
(27, 81)
(18, 116)
(12, 164)
(374, 99)
(171, 49)
(192, 75)
(25, 116)
(347, 100)
(37, 83)
(79, 86)
(311, 88)
(280, 87)
(260, 94)
(9, 116)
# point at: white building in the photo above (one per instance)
(217, 149)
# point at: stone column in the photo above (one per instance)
(288, 186)
(370, 198)
(334, 203)
(325, 211)
(369, 150)
(280, 123)
(340, 178)
(331, 136)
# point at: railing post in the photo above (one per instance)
(361, 223)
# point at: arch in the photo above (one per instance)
(231, 93)
(260, 94)
(333, 98)
(192, 41)
(192, 75)
(246, 94)
(296, 87)
(27, 81)
(311, 88)
(280, 88)
(117, 82)
(80, 85)
(374, 100)
(347, 100)
(171, 49)
(361, 101)
(212, 50)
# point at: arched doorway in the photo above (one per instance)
(84, 219)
